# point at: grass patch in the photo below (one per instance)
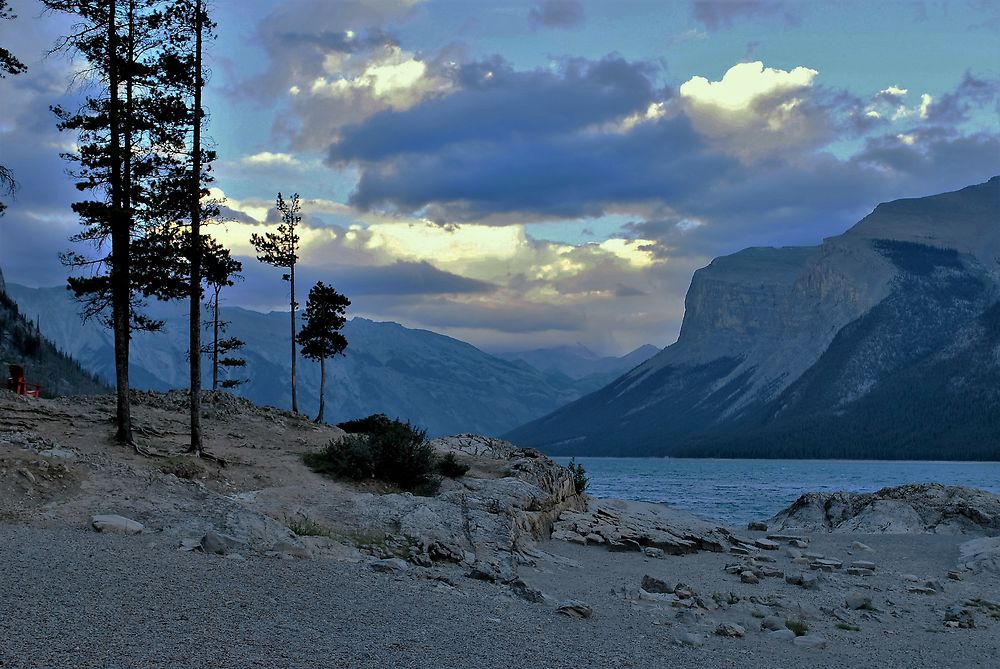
(304, 527)
(798, 626)
(847, 627)
(758, 614)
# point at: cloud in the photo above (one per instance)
(556, 13)
(745, 83)
(955, 106)
(719, 14)
(267, 158)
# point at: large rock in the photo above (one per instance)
(908, 509)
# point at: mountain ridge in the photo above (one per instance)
(763, 329)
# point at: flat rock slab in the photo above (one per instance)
(633, 526)
(116, 524)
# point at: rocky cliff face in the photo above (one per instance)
(811, 345)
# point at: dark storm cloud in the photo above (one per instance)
(971, 92)
(717, 14)
(557, 13)
(497, 104)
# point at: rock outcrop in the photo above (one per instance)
(916, 508)
(639, 526)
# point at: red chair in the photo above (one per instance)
(17, 383)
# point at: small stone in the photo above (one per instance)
(857, 571)
(598, 539)
(798, 543)
(793, 552)
(749, 577)
(574, 608)
(650, 552)
(684, 591)
(857, 600)
(739, 550)
(117, 524)
(858, 546)
(731, 630)
(801, 561)
(784, 634)
(863, 564)
(390, 565)
(26, 474)
(655, 585)
(921, 590)
(690, 639)
(954, 575)
(772, 623)
(526, 592)
(811, 641)
(769, 572)
(219, 544)
(294, 550)
(767, 544)
(757, 526)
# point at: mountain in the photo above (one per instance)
(22, 343)
(882, 342)
(439, 383)
(589, 370)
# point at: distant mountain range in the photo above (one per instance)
(589, 370)
(883, 342)
(21, 343)
(439, 383)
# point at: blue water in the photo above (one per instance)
(737, 491)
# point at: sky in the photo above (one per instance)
(541, 172)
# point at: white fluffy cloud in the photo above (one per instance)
(745, 83)
(755, 111)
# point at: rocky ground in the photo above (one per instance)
(264, 563)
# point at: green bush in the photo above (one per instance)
(374, 423)
(450, 466)
(580, 478)
(394, 452)
(798, 626)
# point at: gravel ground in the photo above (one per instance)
(74, 598)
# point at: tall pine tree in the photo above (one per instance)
(281, 249)
(320, 336)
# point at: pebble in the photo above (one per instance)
(749, 577)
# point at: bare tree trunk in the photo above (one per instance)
(291, 279)
(322, 389)
(120, 233)
(195, 347)
(215, 341)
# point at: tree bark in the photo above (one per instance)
(291, 280)
(120, 237)
(322, 389)
(197, 445)
(215, 341)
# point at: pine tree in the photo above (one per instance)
(221, 271)
(280, 249)
(320, 336)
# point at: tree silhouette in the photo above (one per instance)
(9, 64)
(221, 271)
(320, 336)
(280, 249)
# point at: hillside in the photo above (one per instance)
(587, 370)
(437, 382)
(883, 342)
(21, 342)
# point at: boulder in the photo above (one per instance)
(813, 641)
(908, 509)
(857, 600)
(219, 544)
(655, 585)
(116, 524)
(689, 639)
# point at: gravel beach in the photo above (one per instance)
(74, 598)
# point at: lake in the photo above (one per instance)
(737, 491)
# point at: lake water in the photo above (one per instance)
(737, 491)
